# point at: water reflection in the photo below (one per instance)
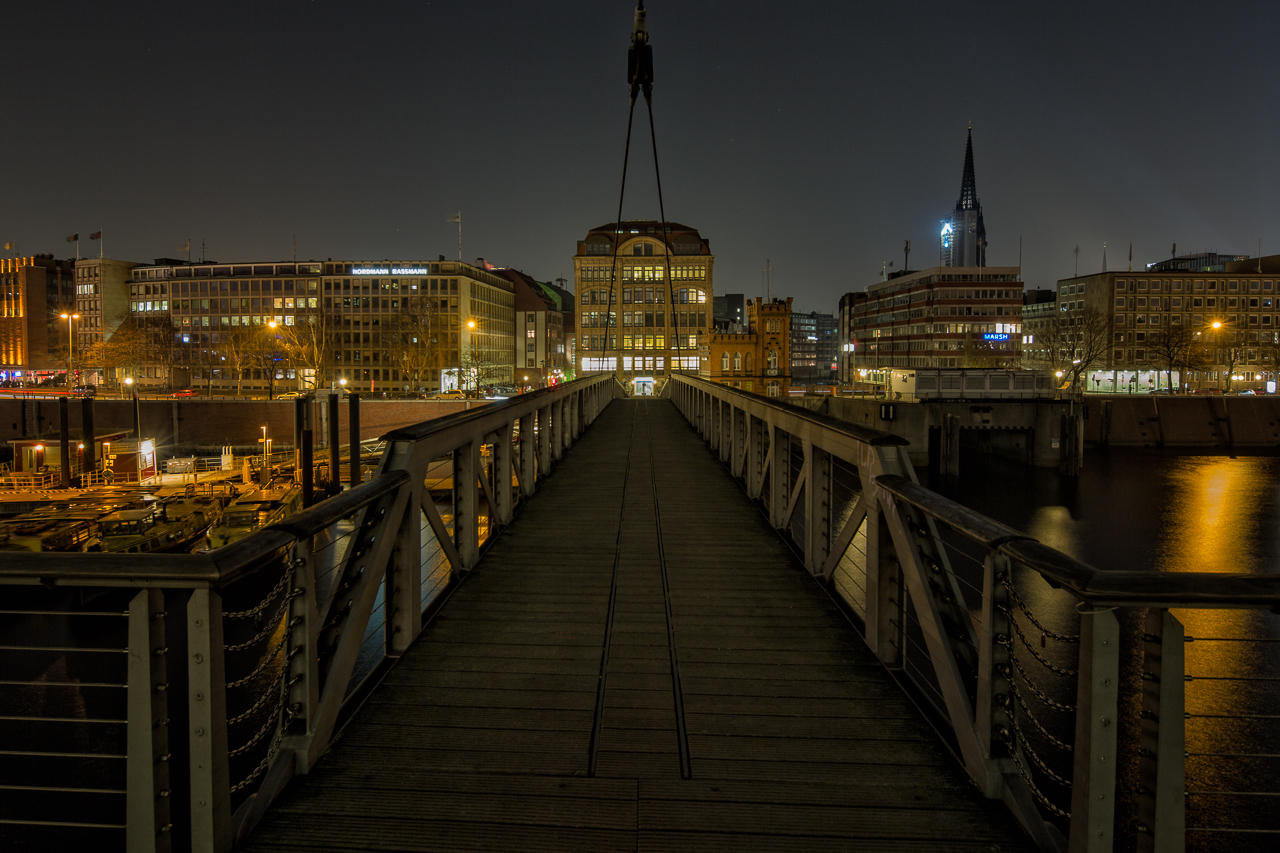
(1156, 512)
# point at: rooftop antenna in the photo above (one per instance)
(1019, 255)
(768, 281)
(906, 255)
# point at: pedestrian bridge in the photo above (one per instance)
(581, 621)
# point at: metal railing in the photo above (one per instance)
(163, 701)
(1067, 692)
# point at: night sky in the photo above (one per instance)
(818, 135)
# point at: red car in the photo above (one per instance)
(186, 392)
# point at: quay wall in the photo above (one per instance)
(1159, 420)
(214, 422)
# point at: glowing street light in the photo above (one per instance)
(1217, 324)
(69, 318)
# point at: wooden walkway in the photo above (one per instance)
(484, 736)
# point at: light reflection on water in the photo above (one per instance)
(1152, 512)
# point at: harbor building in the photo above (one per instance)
(636, 329)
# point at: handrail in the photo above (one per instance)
(278, 636)
(497, 410)
(1118, 588)
(953, 603)
(875, 437)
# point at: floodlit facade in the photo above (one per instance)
(649, 326)
(34, 292)
(758, 360)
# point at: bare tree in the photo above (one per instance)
(309, 346)
(1170, 349)
(236, 350)
(1231, 355)
(265, 352)
(1076, 343)
(415, 345)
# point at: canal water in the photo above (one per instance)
(1138, 510)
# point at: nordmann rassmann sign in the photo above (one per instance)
(390, 271)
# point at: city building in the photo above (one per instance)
(635, 324)
(1198, 262)
(380, 325)
(1212, 329)
(35, 292)
(815, 348)
(758, 360)
(963, 241)
(544, 318)
(102, 301)
(1039, 310)
(939, 317)
(730, 313)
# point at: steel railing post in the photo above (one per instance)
(304, 617)
(466, 493)
(1093, 780)
(528, 455)
(147, 730)
(779, 477)
(817, 508)
(404, 574)
(884, 590)
(1162, 765)
(991, 720)
(544, 440)
(207, 724)
(502, 473)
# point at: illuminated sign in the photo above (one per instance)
(946, 235)
(995, 336)
(390, 271)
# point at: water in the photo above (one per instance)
(1153, 511)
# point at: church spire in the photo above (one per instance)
(968, 186)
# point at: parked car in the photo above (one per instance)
(452, 395)
(85, 391)
(291, 395)
(185, 392)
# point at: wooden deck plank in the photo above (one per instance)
(478, 739)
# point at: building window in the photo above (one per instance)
(724, 362)
(737, 361)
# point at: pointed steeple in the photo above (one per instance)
(968, 186)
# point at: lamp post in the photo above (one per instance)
(473, 369)
(70, 340)
(271, 370)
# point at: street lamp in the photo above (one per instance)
(271, 371)
(69, 318)
(471, 348)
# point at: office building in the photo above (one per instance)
(730, 313)
(1197, 262)
(544, 323)
(380, 325)
(102, 301)
(649, 325)
(34, 292)
(940, 317)
(1039, 310)
(1231, 319)
(815, 345)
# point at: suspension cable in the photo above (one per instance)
(666, 239)
(609, 313)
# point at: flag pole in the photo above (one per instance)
(459, 236)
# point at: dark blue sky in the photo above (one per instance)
(818, 135)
